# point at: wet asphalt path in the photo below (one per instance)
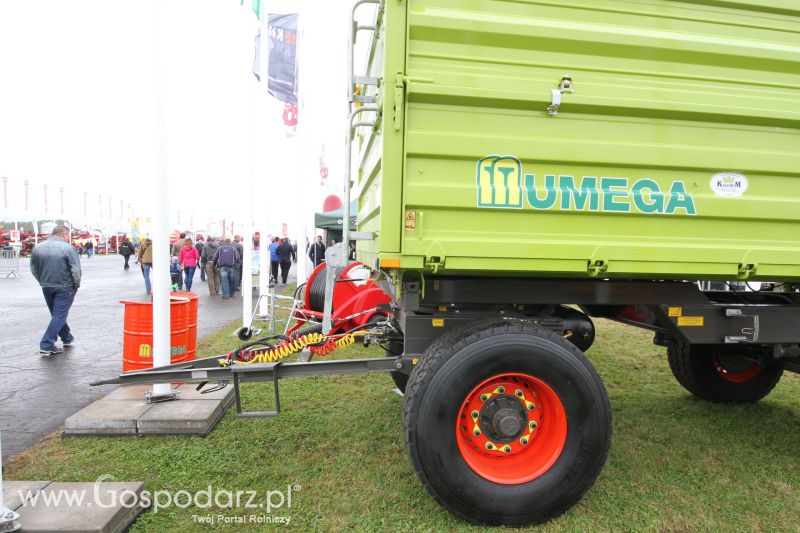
(38, 393)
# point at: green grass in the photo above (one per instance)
(676, 463)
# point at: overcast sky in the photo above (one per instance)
(77, 108)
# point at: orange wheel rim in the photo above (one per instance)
(511, 428)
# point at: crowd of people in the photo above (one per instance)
(220, 262)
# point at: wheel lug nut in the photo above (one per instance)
(474, 415)
(484, 397)
(489, 446)
(501, 389)
(477, 432)
(523, 441)
(507, 448)
(518, 393)
(532, 425)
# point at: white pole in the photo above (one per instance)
(247, 272)
(247, 244)
(264, 231)
(247, 234)
(160, 222)
(304, 154)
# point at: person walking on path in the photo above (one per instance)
(126, 250)
(202, 266)
(316, 252)
(237, 243)
(57, 268)
(226, 258)
(89, 249)
(212, 272)
(176, 251)
(274, 259)
(146, 261)
(285, 258)
(188, 258)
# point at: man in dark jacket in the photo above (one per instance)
(285, 258)
(199, 246)
(225, 259)
(316, 252)
(126, 250)
(57, 268)
(237, 243)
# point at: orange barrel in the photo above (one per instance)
(137, 344)
(191, 344)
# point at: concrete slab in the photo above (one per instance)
(187, 392)
(13, 489)
(106, 417)
(83, 507)
(135, 392)
(195, 417)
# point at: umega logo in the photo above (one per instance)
(502, 184)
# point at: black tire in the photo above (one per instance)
(695, 368)
(244, 333)
(461, 359)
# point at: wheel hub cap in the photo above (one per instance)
(503, 418)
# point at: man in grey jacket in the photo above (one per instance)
(56, 266)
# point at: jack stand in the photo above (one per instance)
(8, 520)
(157, 398)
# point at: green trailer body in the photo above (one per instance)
(619, 139)
(523, 155)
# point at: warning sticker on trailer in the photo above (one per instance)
(675, 311)
(690, 321)
(411, 221)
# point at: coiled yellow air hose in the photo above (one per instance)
(318, 344)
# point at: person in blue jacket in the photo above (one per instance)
(274, 259)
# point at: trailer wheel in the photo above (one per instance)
(718, 373)
(506, 422)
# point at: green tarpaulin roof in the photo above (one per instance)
(333, 219)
